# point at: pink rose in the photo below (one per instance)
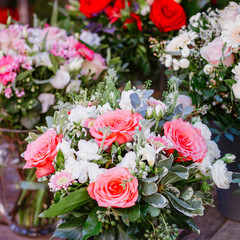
(122, 124)
(213, 53)
(187, 140)
(97, 65)
(115, 188)
(41, 153)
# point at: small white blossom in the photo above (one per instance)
(87, 151)
(220, 175)
(47, 100)
(148, 153)
(60, 80)
(184, 63)
(129, 161)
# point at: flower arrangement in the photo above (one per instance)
(35, 65)
(121, 29)
(204, 59)
(123, 165)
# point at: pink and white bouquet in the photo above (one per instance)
(35, 65)
(204, 58)
(126, 165)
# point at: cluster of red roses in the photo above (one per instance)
(167, 15)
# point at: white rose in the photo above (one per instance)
(67, 151)
(204, 130)
(205, 165)
(60, 80)
(148, 153)
(185, 52)
(184, 63)
(74, 85)
(220, 175)
(168, 62)
(90, 38)
(129, 161)
(87, 151)
(47, 100)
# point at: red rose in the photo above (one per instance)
(89, 7)
(4, 14)
(167, 15)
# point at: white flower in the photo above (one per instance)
(148, 153)
(213, 150)
(125, 102)
(47, 100)
(231, 34)
(149, 113)
(94, 171)
(205, 165)
(229, 13)
(206, 133)
(129, 161)
(168, 62)
(67, 151)
(145, 10)
(220, 175)
(176, 64)
(80, 113)
(179, 42)
(236, 71)
(87, 151)
(90, 38)
(42, 59)
(184, 100)
(195, 17)
(236, 89)
(185, 52)
(208, 69)
(74, 85)
(75, 64)
(105, 108)
(184, 63)
(78, 169)
(60, 80)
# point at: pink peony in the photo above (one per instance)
(96, 66)
(8, 67)
(187, 140)
(122, 124)
(41, 153)
(115, 188)
(213, 53)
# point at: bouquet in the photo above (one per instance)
(36, 64)
(204, 59)
(123, 165)
(121, 29)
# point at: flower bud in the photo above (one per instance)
(76, 64)
(229, 158)
(149, 113)
(25, 32)
(9, 20)
(158, 113)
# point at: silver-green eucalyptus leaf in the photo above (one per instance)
(168, 162)
(151, 179)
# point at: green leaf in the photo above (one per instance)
(156, 200)
(129, 214)
(154, 212)
(23, 75)
(178, 173)
(128, 86)
(187, 193)
(72, 201)
(149, 188)
(168, 162)
(30, 120)
(150, 179)
(60, 158)
(71, 230)
(106, 235)
(122, 235)
(229, 136)
(92, 226)
(54, 17)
